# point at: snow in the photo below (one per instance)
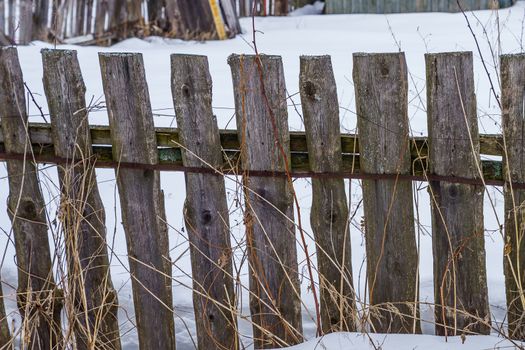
(357, 341)
(314, 9)
(290, 37)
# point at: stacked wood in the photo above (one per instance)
(106, 21)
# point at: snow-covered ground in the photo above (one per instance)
(355, 341)
(338, 36)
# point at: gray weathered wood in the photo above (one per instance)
(392, 260)
(281, 7)
(11, 16)
(40, 23)
(156, 18)
(84, 216)
(133, 140)
(24, 26)
(100, 16)
(262, 120)
(460, 278)
(2, 16)
(193, 20)
(205, 209)
(38, 296)
(512, 97)
(5, 336)
(329, 213)
(230, 17)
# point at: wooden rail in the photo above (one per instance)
(170, 156)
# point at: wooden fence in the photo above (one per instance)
(266, 156)
(403, 6)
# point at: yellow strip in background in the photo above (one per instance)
(217, 18)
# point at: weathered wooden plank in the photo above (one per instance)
(460, 279)
(157, 18)
(5, 336)
(89, 17)
(100, 16)
(382, 115)
(40, 134)
(193, 20)
(24, 26)
(79, 28)
(38, 300)
(329, 213)
(231, 18)
(2, 16)
(512, 97)
(40, 23)
(205, 209)
(133, 140)
(83, 218)
(262, 119)
(11, 16)
(281, 7)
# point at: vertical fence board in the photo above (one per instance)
(133, 139)
(24, 25)
(329, 213)
(5, 336)
(230, 16)
(262, 120)
(80, 17)
(100, 16)
(40, 23)
(11, 19)
(155, 16)
(2, 16)
(194, 20)
(460, 278)
(281, 7)
(512, 93)
(205, 209)
(84, 215)
(37, 293)
(392, 260)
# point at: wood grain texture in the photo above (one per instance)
(205, 210)
(329, 212)
(83, 218)
(272, 254)
(460, 278)
(38, 300)
(193, 20)
(24, 22)
(392, 259)
(512, 97)
(133, 140)
(5, 334)
(230, 16)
